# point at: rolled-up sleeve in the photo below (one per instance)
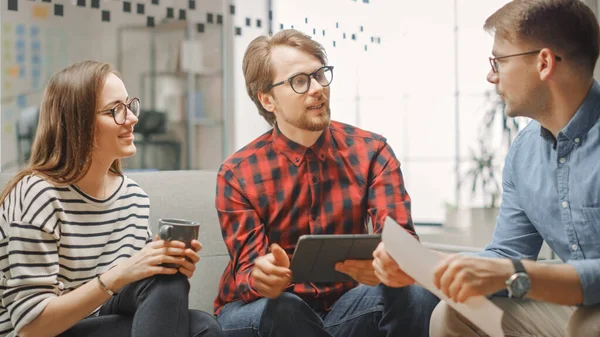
(589, 277)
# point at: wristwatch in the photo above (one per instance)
(519, 283)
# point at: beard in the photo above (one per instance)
(534, 104)
(313, 123)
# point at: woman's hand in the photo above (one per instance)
(188, 267)
(148, 262)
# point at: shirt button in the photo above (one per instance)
(565, 204)
(574, 247)
(314, 179)
(577, 140)
(562, 160)
(297, 159)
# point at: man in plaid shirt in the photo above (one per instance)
(308, 175)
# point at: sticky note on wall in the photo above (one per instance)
(41, 12)
(13, 71)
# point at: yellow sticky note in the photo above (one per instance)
(7, 28)
(41, 12)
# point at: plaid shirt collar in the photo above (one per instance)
(295, 152)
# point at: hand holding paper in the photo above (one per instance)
(463, 276)
(419, 262)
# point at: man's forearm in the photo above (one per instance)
(555, 283)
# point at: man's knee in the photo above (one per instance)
(414, 299)
(585, 322)
(445, 321)
(287, 304)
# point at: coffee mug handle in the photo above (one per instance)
(165, 232)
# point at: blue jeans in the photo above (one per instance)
(155, 306)
(362, 311)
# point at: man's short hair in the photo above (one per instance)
(257, 66)
(568, 27)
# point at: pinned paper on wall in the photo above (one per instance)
(36, 57)
(7, 55)
(13, 71)
(20, 30)
(20, 44)
(8, 128)
(21, 101)
(7, 114)
(40, 12)
(34, 31)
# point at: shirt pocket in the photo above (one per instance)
(590, 237)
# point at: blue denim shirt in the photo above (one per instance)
(551, 192)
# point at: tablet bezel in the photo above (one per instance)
(315, 255)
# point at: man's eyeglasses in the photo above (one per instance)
(494, 60)
(119, 111)
(301, 83)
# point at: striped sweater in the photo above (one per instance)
(54, 239)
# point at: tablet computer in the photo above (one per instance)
(315, 256)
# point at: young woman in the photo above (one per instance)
(76, 256)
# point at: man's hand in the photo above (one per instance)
(272, 272)
(388, 271)
(460, 277)
(360, 270)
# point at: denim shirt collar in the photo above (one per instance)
(583, 120)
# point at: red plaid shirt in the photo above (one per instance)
(274, 190)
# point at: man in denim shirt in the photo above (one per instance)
(543, 61)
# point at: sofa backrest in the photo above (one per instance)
(187, 195)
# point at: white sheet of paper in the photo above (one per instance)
(419, 262)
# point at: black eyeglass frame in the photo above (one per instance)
(309, 81)
(113, 110)
(494, 64)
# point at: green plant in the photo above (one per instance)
(483, 173)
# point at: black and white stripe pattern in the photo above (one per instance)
(54, 239)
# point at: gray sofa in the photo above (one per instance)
(187, 195)
(190, 195)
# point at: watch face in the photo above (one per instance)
(520, 286)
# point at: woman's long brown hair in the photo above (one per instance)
(64, 140)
